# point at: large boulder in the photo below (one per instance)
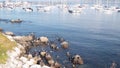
(77, 59)
(65, 45)
(23, 38)
(44, 39)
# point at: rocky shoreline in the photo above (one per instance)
(16, 60)
(20, 57)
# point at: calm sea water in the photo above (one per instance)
(94, 35)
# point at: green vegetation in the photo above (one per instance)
(5, 45)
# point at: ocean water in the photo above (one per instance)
(92, 34)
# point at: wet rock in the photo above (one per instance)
(48, 56)
(113, 65)
(43, 53)
(68, 54)
(57, 65)
(42, 63)
(61, 39)
(53, 46)
(51, 62)
(77, 60)
(65, 45)
(44, 39)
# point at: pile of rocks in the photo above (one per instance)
(20, 57)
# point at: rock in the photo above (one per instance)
(45, 67)
(44, 39)
(9, 33)
(68, 54)
(20, 47)
(57, 65)
(61, 39)
(30, 56)
(23, 59)
(65, 45)
(25, 66)
(113, 65)
(1, 29)
(43, 53)
(10, 37)
(48, 56)
(23, 38)
(35, 66)
(77, 60)
(30, 63)
(19, 65)
(12, 54)
(17, 50)
(53, 46)
(42, 63)
(51, 62)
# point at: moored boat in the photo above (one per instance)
(16, 21)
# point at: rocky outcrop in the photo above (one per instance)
(20, 56)
(18, 59)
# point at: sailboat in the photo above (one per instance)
(63, 5)
(107, 9)
(45, 8)
(97, 6)
(76, 8)
(27, 7)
